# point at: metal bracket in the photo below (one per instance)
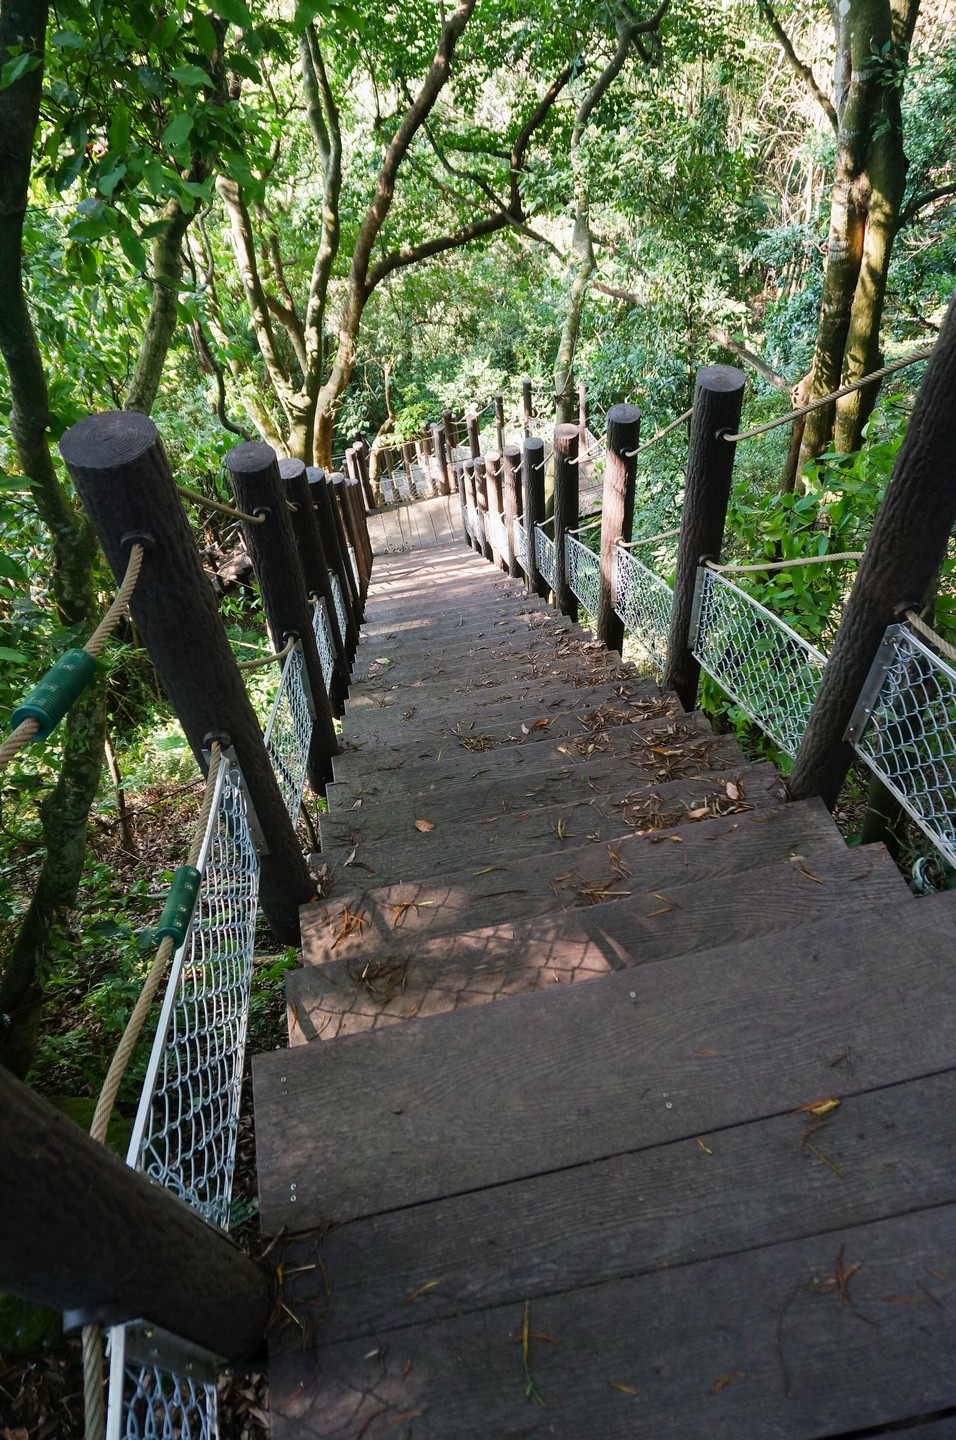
(148, 1344)
(882, 662)
(696, 604)
(255, 829)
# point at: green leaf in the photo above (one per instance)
(15, 482)
(132, 248)
(13, 657)
(235, 11)
(178, 130)
(107, 183)
(191, 75)
(118, 131)
(11, 570)
(17, 67)
(205, 35)
(67, 40)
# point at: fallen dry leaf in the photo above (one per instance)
(624, 1389)
(422, 1290)
(733, 792)
(706, 1149)
(424, 826)
(725, 1380)
(817, 1107)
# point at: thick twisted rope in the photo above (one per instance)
(789, 564)
(25, 731)
(198, 499)
(93, 1397)
(928, 633)
(290, 644)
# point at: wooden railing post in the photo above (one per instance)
(360, 454)
(458, 477)
(315, 571)
(511, 473)
(450, 425)
(333, 539)
(718, 398)
(496, 502)
(471, 424)
(528, 407)
(583, 415)
(532, 470)
(352, 491)
(566, 504)
(340, 493)
(124, 1247)
(122, 476)
(471, 495)
(441, 459)
(898, 571)
(617, 513)
(500, 423)
(483, 494)
(408, 460)
(258, 489)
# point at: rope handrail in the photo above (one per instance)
(30, 726)
(833, 559)
(629, 454)
(94, 1408)
(542, 525)
(594, 521)
(648, 539)
(198, 499)
(917, 355)
(289, 646)
(928, 633)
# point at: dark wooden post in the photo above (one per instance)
(484, 493)
(583, 414)
(471, 494)
(617, 512)
(333, 538)
(315, 571)
(451, 432)
(566, 452)
(493, 489)
(458, 471)
(122, 476)
(500, 423)
(361, 540)
(409, 463)
(360, 461)
(511, 476)
(528, 407)
(710, 463)
(342, 510)
(532, 470)
(124, 1248)
(258, 488)
(442, 463)
(897, 573)
(471, 424)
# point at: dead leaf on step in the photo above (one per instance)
(356, 806)
(624, 1389)
(697, 814)
(422, 1289)
(424, 826)
(725, 1380)
(733, 792)
(817, 1107)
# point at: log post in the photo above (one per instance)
(354, 506)
(532, 470)
(122, 476)
(315, 572)
(617, 513)
(897, 573)
(583, 415)
(471, 495)
(566, 452)
(471, 424)
(511, 485)
(408, 461)
(258, 488)
(360, 454)
(442, 463)
(85, 1233)
(718, 398)
(500, 423)
(343, 512)
(451, 432)
(458, 471)
(483, 497)
(333, 538)
(493, 488)
(528, 408)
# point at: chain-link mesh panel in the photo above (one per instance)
(498, 535)
(339, 603)
(910, 737)
(147, 1402)
(289, 732)
(355, 569)
(584, 572)
(643, 601)
(323, 640)
(544, 555)
(767, 668)
(521, 546)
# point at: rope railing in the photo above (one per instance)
(630, 454)
(928, 633)
(797, 414)
(648, 539)
(263, 660)
(43, 710)
(218, 505)
(835, 559)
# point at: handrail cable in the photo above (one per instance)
(290, 644)
(789, 564)
(27, 728)
(788, 419)
(198, 499)
(93, 1401)
(928, 633)
(647, 539)
(629, 454)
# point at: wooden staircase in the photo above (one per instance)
(630, 1207)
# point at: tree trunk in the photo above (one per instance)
(167, 280)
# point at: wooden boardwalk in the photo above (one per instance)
(695, 1174)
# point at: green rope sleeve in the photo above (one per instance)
(180, 903)
(56, 692)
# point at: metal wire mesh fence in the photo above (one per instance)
(642, 600)
(522, 551)
(905, 731)
(323, 639)
(186, 1128)
(544, 554)
(338, 602)
(762, 664)
(289, 731)
(498, 535)
(584, 572)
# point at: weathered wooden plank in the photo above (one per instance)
(738, 1189)
(755, 1345)
(402, 1115)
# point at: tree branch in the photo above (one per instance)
(929, 197)
(797, 65)
(765, 371)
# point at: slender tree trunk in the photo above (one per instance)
(167, 281)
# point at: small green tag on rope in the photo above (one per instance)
(180, 903)
(56, 692)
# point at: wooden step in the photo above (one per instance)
(386, 985)
(409, 853)
(468, 674)
(710, 851)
